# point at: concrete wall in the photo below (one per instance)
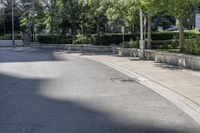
(8, 43)
(182, 60)
(78, 48)
(176, 59)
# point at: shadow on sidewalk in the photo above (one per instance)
(168, 67)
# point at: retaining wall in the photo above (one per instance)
(8, 43)
(182, 60)
(176, 59)
(81, 48)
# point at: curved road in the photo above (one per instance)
(52, 92)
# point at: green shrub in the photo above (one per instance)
(131, 44)
(9, 37)
(158, 44)
(107, 39)
(165, 44)
(57, 39)
(117, 38)
(192, 46)
(81, 39)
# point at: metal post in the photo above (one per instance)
(145, 28)
(142, 47)
(123, 31)
(33, 21)
(13, 24)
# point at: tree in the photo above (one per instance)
(32, 17)
(150, 9)
(123, 13)
(5, 17)
(180, 9)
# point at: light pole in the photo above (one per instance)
(13, 24)
(142, 43)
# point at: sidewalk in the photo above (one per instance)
(166, 80)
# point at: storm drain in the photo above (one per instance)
(123, 80)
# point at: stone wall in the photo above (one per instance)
(176, 59)
(8, 43)
(77, 48)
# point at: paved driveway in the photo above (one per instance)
(53, 92)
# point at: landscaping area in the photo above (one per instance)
(167, 26)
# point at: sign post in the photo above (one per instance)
(197, 21)
(123, 30)
(142, 43)
(13, 24)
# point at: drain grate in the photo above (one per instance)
(122, 80)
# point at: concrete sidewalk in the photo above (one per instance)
(185, 84)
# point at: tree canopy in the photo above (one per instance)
(90, 16)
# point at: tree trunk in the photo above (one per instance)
(52, 21)
(181, 34)
(149, 32)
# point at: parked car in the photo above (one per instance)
(173, 28)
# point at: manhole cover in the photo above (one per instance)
(122, 80)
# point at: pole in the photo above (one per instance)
(123, 30)
(13, 24)
(142, 47)
(145, 28)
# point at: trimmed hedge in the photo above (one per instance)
(47, 39)
(108, 39)
(160, 40)
(9, 37)
(158, 44)
(165, 44)
(117, 38)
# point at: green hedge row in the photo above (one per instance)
(108, 39)
(161, 40)
(158, 44)
(192, 46)
(9, 37)
(57, 39)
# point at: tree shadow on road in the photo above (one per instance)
(27, 55)
(24, 109)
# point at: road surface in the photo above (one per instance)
(54, 92)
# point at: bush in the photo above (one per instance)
(117, 38)
(81, 39)
(165, 44)
(164, 35)
(192, 46)
(158, 44)
(131, 44)
(57, 39)
(107, 39)
(9, 37)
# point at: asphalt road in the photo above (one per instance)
(48, 92)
